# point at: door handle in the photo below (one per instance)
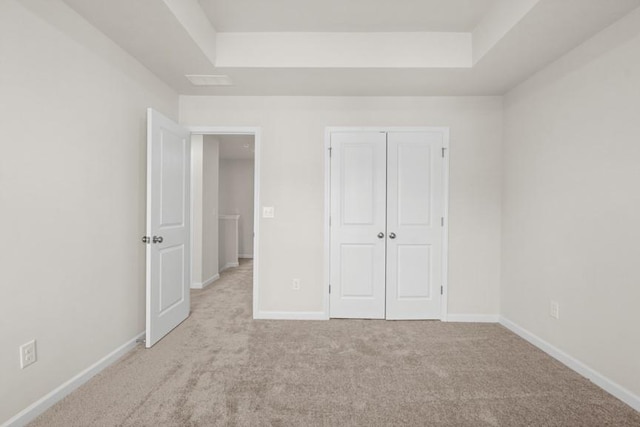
(392, 235)
(380, 235)
(157, 239)
(146, 239)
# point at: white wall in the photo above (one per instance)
(72, 195)
(204, 193)
(228, 241)
(571, 204)
(292, 180)
(197, 147)
(210, 196)
(236, 197)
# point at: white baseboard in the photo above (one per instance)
(290, 315)
(473, 318)
(41, 405)
(250, 256)
(210, 280)
(597, 378)
(202, 285)
(229, 265)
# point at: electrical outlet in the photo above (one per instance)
(555, 310)
(28, 354)
(295, 284)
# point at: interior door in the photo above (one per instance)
(168, 248)
(414, 225)
(358, 204)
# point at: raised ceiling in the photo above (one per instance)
(354, 47)
(345, 15)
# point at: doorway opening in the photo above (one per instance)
(235, 198)
(224, 195)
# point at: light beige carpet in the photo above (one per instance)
(220, 367)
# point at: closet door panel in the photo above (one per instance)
(413, 271)
(358, 216)
(414, 212)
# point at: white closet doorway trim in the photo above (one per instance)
(334, 306)
(256, 132)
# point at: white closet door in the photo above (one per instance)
(358, 205)
(415, 236)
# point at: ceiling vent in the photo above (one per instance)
(209, 79)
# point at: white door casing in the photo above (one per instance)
(168, 226)
(358, 166)
(414, 217)
(409, 262)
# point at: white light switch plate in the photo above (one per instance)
(268, 212)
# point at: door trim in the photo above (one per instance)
(256, 132)
(327, 204)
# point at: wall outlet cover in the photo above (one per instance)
(555, 310)
(28, 354)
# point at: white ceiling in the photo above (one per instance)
(345, 15)
(235, 147)
(150, 33)
(350, 47)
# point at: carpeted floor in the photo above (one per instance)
(220, 367)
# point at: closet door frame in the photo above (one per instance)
(327, 205)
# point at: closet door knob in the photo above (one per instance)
(157, 239)
(380, 235)
(392, 235)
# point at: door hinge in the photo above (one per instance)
(443, 151)
(330, 151)
(329, 221)
(441, 290)
(329, 288)
(442, 221)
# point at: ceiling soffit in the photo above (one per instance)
(502, 44)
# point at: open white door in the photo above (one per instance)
(168, 246)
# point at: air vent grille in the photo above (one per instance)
(209, 79)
